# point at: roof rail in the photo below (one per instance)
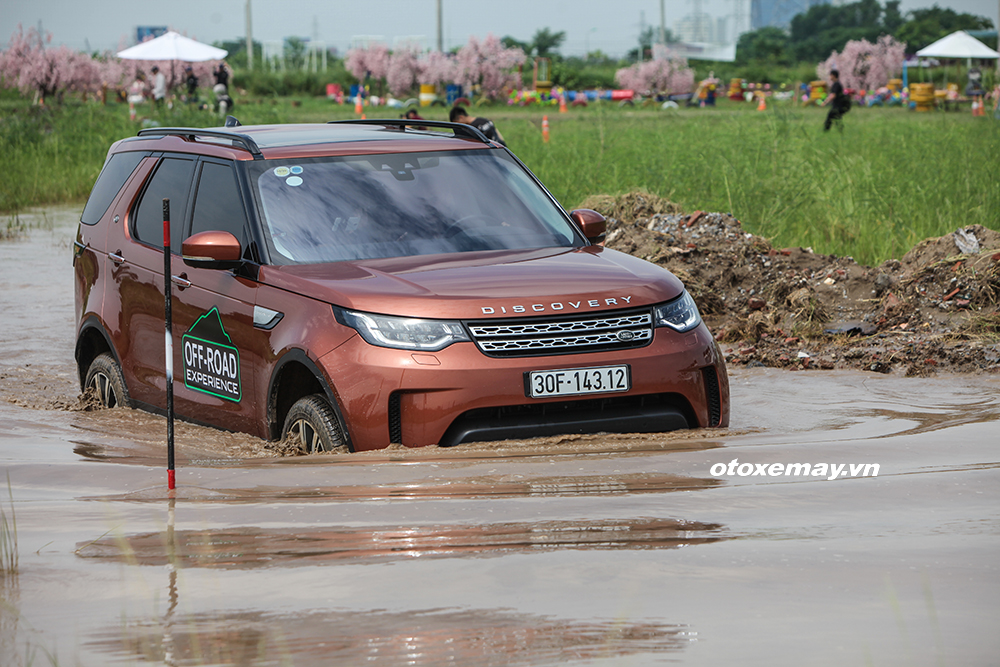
(400, 125)
(192, 132)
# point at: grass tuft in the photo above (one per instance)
(8, 538)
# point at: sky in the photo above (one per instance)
(609, 25)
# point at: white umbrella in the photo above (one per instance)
(172, 46)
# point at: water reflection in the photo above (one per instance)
(482, 637)
(251, 547)
(487, 486)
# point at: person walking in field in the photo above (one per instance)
(841, 102)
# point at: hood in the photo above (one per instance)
(482, 285)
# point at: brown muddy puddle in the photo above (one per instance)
(582, 550)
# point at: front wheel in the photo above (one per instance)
(312, 426)
(106, 383)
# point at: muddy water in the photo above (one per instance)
(596, 550)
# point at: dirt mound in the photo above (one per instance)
(631, 206)
(935, 309)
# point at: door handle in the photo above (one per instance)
(116, 257)
(181, 281)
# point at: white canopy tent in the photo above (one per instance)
(959, 44)
(173, 46)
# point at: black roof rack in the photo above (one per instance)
(400, 125)
(192, 132)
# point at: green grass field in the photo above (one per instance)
(891, 178)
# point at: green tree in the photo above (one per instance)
(237, 49)
(928, 25)
(644, 49)
(892, 19)
(295, 52)
(825, 28)
(764, 45)
(545, 42)
(511, 43)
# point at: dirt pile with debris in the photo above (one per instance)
(935, 309)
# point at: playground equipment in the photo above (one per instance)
(427, 95)
(543, 76)
(923, 95)
(736, 87)
(817, 92)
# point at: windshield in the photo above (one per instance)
(403, 204)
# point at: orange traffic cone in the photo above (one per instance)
(364, 117)
(545, 129)
(562, 104)
(762, 105)
(357, 104)
(131, 111)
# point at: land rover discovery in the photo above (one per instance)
(362, 283)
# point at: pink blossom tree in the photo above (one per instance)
(664, 74)
(436, 67)
(488, 64)
(370, 62)
(49, 72)
(33, 68)
(863, 65)
(404, 66)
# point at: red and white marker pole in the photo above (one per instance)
(169, 343)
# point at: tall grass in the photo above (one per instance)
(889, 179)
(8, 538)
(54, 154)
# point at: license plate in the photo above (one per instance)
(576, 381)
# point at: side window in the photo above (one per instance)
(218, 206)
(172, 179)
(116, 171)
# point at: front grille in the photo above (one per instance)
(572, 334)
(650, 413)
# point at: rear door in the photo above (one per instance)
(138, 277)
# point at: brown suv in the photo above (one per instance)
(362, 283)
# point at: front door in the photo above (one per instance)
(214, 342)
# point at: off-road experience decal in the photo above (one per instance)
(211, 363)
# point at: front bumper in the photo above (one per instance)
(459, 394)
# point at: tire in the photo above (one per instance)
(313, 426)
(104, 378)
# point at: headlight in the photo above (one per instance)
(680, 314)
(404, 333)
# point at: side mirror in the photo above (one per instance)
(591, 223)
(212, 250)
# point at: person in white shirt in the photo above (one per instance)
(159, 87)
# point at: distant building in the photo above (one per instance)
(778, 13)
(696, 27)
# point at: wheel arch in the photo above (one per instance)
(92, 340)
(295, 375)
